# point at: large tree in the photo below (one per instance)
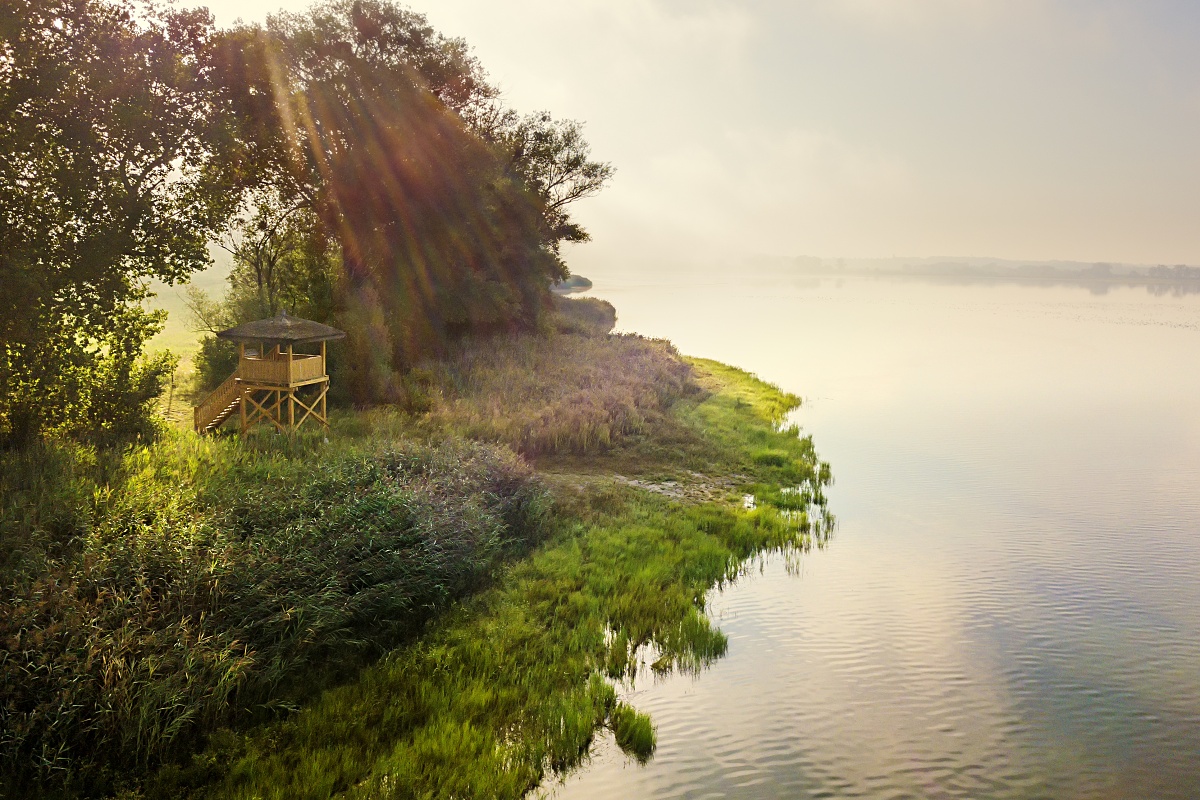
(447, 210)
(107, 124)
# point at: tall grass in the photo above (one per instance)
(160, 607)
(510, 686)
(213, 582)
(634, 732)
(569, 390)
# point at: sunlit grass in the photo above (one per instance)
(572, 395)
(198, 583)
(226, 597)
(509, 686)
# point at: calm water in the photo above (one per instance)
(1010, 605)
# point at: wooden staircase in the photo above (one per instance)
(219, 406)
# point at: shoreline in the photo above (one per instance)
(633, 511)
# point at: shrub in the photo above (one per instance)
(216, 581)
(214, 362)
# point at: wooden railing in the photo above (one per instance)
(275, 371)
(217, 406)
(307, 368)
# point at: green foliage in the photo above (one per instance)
(509, 685)
(201, 617)
(46, 504)
(283, 259)
(96, 388)
(358, 162)
(634, 731)
(116, 399)
(109, 122)
(203, 582)
(387, 192)
(554, 160)
(215, 361)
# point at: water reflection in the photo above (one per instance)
(1011, 609)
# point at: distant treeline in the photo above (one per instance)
(1070, 271)
(357, 164)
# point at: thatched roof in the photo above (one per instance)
(283, 329)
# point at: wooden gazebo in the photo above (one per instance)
(273, 379)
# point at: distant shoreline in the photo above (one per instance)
(1184, 284)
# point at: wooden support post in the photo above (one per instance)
(245, 400)
(289, 365)
(324, 371)
(266, 410)
(310, 408)
(291, 409)
(324, 391)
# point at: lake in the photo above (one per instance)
(1010, 604)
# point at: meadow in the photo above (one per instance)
(441, 601)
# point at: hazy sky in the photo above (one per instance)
(1030, 129)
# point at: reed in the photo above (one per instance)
(205, 618)
(213, 583)
(572, 389)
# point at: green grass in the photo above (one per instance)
(200, 583)
(511, 684)
(634, 732)
(205, 618)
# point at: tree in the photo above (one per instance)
(367, 139)
(365, 142)
(264, 241)
(554, 160)
(109, 120)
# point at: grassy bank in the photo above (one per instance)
(203, 618)
(203, 583)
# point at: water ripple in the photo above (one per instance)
(1010, 608)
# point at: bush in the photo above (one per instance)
(101, 392)
(214, 362)
(216, 582)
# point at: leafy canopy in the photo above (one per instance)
(108, 122)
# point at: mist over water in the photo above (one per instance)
(1009, 606)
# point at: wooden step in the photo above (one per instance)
(211, 412)
(223, 415)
